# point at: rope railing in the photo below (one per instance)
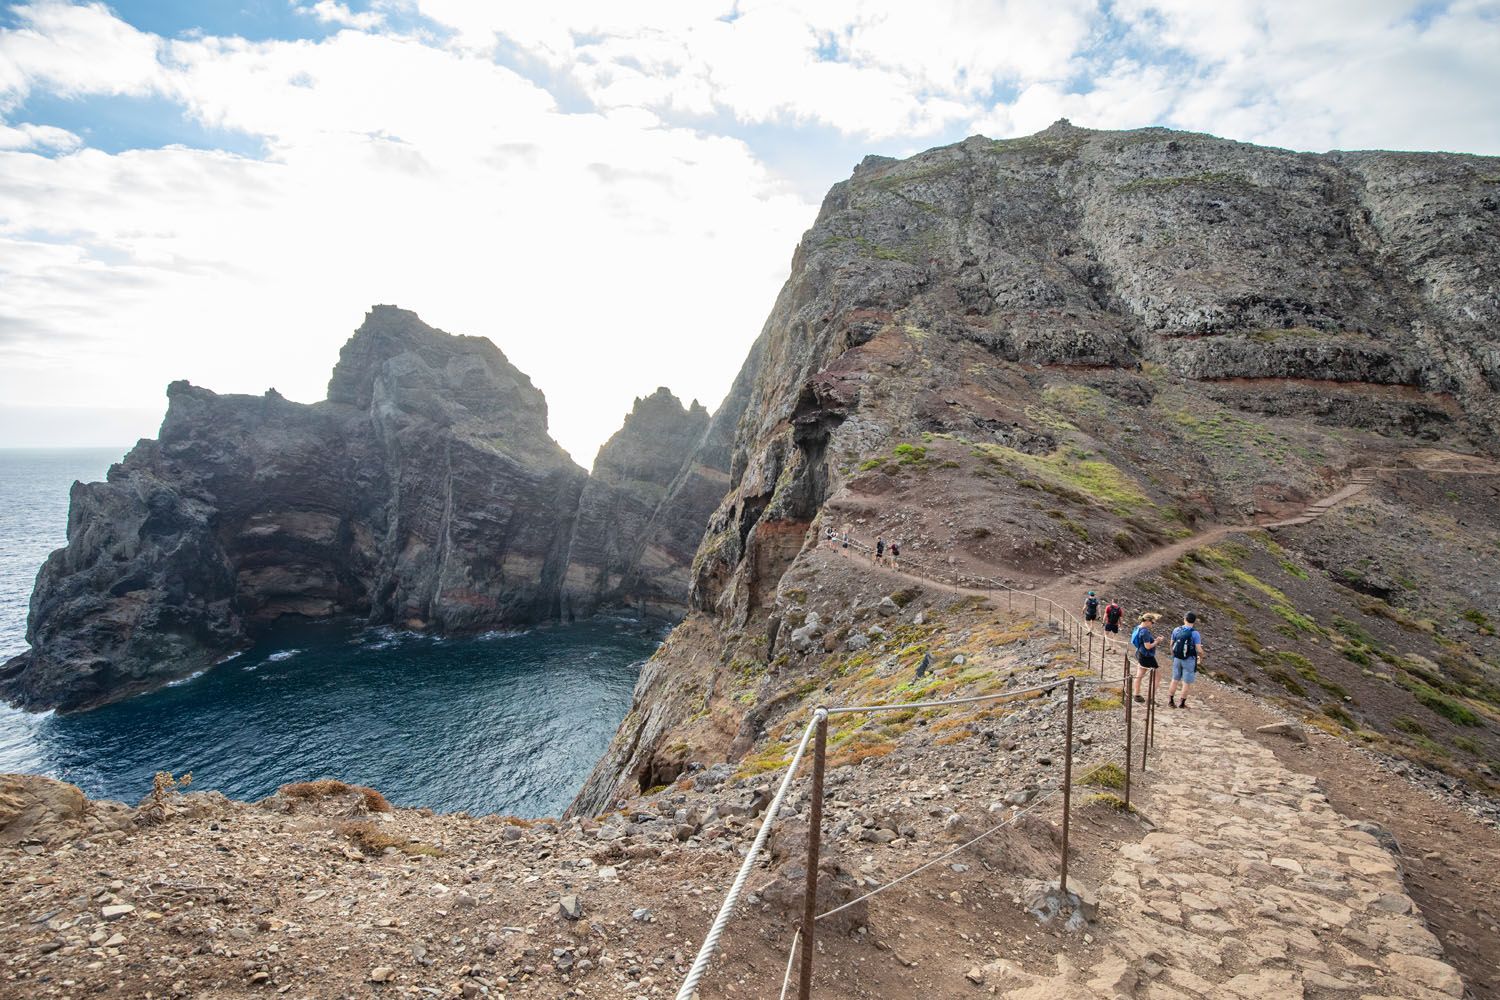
(732, 897)
(1008, 821)
(817, 728)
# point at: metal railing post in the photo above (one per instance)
(1146, 732)
(1151, 733)
(1125, 693)
(1090, 661)
(814, 842)
(1067, 787)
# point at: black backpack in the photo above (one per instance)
(1182, 643)
(1091, 606)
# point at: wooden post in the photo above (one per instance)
(1090, 661)
(814, 841)
(1067, 787)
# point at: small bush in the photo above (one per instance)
(1100, 703)
(907, 454)
(1337, 714)
(308, 790)
(1109, 800)
(162, 789)
(374, 841)
(1449, 708)
(868, 464)
(1106, 776)
(906, 596)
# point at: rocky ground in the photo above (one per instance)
(1234, 877)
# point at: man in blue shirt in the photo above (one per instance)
(1187, 644)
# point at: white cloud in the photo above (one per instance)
(864, 67)
(605, 253)
(27, 136)
(72, 50)
(332, 12)
(618, 247)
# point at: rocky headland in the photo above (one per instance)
(1187, 372)
(423, 492)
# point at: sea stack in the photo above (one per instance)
(424, 492)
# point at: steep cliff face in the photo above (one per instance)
(621, 551)
(1031, 357)
(424, 491)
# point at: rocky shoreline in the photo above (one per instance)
(424, 493)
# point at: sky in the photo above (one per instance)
(609, 190)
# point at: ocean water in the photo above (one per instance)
(506, 722)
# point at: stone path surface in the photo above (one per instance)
(1250, 886)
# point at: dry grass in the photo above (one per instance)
(309, 790)
(954, 737)
(856, 754)
(374, 841)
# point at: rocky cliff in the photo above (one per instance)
(424, 491)
(620, 551)
(1028, 359)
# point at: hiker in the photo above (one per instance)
(895, 554)
(879, 549)
(845, 549)
(1112, 614)
(1144, 640)
(1091, 609)
(1187, 645)
(924, 667)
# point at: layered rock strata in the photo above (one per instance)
(1030, 356)
(423, 492)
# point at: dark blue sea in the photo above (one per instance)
(505, 722)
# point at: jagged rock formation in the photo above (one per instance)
(1030, 356)
(424, 492)
(627, 542)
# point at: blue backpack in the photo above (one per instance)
(1140, 637)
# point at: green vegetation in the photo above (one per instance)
(1109, 800)
(1106, 776)
(1072, 473)
(1211, 178)
(1337, 714)
(907, 454)
(1449, 708)
(1478, 618)
(1101, 703)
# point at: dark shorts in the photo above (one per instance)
(1090, 616)
(1112, 627)
(1147, 660)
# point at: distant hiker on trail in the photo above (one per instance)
(844, 550)
(1091, 608)
(1144, 640)
(1187, 644)
(879, 549)
(895, 555)
(1112, 615)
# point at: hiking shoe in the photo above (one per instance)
(1140, 699)
(1183, 704)
(1171, 702)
